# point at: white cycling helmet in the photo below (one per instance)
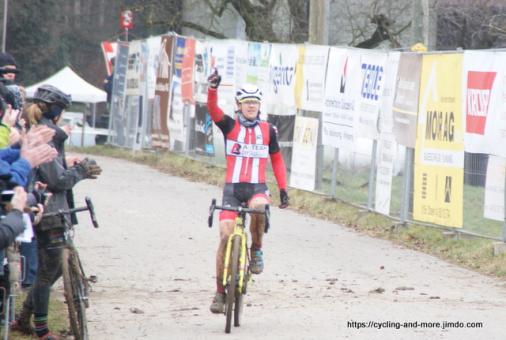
(248, 92)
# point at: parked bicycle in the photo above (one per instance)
(75, 282)
(236, 272)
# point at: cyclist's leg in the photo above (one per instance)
(258, 201)
(50, 250)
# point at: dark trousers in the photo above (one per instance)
(50, 246)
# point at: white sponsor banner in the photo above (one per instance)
(176, 117)
(222, 57)
(304, 153)
(153, 44)
(372, 73)
(484, 102)
(134, 68)
(202, 70)
(494, 189)
(384, 169)
(342, 91)
(386, 122)
(241, 61)
(281, 87)
(314, 67)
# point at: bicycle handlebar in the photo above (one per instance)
(240, 210)
(89, 207)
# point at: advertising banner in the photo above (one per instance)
(439, 153)
(342, 91)
(109, 49)
(305, 140)
(119, 123)
(282, 66)
(187, 71)
(314, 66)
(285, 126)
(153, 45)
(222, 57)
(484, 102)
(202, 70)
(494, 189)
(372, 73)
(384, 169)
(386, 116)
(161, 105)
(405, 105)
(203, 131)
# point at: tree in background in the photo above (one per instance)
(471, 24)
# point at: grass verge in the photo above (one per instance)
(57, 318)
(472, 253)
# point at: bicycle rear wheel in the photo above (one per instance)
(75, 291)
(231, 291)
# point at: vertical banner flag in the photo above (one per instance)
(202, 70)
(372, 74)
(405, 105)
(161, 105)
(153, 44)
(484, 102)
(282, 80)
(187, 70)
(313, 77)
(203, 131)
(118, 95)
(387, 146)
(439, 153)
(109, 50)
(304, 153)
(133, 75)
(176, 114)
(342, 91)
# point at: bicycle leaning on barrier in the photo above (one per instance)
(75, 282)
(236, 270)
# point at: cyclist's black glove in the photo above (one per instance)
(214, 80)
(91, 168)
(283, 197)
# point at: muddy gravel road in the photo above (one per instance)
(154, 259)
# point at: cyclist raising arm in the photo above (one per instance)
(249, 142)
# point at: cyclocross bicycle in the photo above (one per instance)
(75, 282)
(236, 272)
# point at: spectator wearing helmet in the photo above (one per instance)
(60, 177)
(249, 143)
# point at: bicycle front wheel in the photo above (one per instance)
(75, 291)
(232, 284)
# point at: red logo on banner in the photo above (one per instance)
(126, 20)
(479, 86)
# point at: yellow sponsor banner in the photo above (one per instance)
(439, 153)
(299, 77)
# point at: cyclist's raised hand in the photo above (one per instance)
(283, 198)
(214, 80)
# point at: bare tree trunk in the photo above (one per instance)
(318, 22)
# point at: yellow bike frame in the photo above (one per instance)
(239, 230)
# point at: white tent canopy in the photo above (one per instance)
(69, 82)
